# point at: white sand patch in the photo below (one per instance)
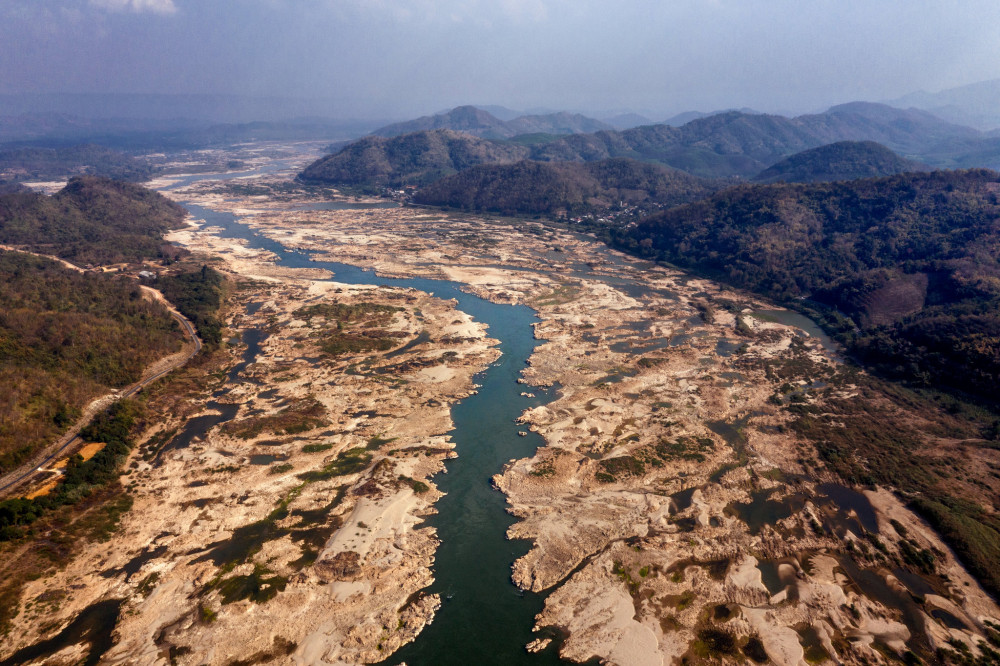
(372, 520)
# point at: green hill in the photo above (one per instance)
(412, 159)
(92, 220)
(844, 160)
(910, 262)
(548, 187)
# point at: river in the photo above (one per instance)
(484, 618)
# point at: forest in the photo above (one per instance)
(66, 337)
(903, 270)
(569, 188)
(93, 220)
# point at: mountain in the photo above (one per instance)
(555, 123)
(687, 116)
(549, 187)
(844, 160)
(478, 122)
(740, 144)
(725, 145)
(627, 121)
(976, 105)
(729, 144)
(467, 119)
(411, 159)
(501, 112)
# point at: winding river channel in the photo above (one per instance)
(484, 618)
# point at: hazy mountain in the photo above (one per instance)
(556, 123)
(206, 109)
(417, 158)
(51, 164)
(501, 112)
(724, 145)
(625, 121)
(687, 116)
(976, 105)
(844, 160)
(547, 187)
(740, 144)
(466, 119)
(481, 123)
(59, 130)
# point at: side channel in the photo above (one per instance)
(484, 618)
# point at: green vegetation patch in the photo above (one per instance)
(352, 328)
(351, 461)
(621, 466)
(198, 293)
(257, 586)
(316, 448)
(369, 314)
(301, 415)
(418, 487)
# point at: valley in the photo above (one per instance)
(627, 474)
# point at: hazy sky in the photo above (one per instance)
(402, 58)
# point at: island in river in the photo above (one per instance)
(284, 509)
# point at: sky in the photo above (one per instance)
(403, 58)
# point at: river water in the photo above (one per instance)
(484, 618)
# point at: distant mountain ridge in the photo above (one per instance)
(481, 123)
(976, 105)
(724, 145)
(739, 144)
(844, 160)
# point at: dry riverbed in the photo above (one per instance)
(675, 514)
(293, 528)
(674, 511)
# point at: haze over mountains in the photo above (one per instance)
(726, 145)
(478, 122)
(976, 105)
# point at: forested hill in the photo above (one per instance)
(910, 262)
(547, 188)
(17, 164)
(412, 159)
(92, 220)
(844, 160)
